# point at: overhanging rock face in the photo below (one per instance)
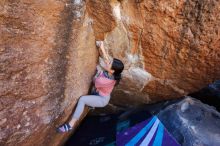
(48, 57)
(169, 49)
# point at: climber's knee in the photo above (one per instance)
(82, 99)
(81, 102)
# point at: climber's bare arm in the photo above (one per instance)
(100, 52)
(104, 57)
(103, 53)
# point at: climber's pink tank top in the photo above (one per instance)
(103, 84)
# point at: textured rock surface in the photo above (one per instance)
(48, 57)
(181, 41)
(44, 68)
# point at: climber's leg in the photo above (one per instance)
(90, 100)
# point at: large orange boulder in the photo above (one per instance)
(47, 61)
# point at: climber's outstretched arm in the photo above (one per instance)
(103, 53)
(106, 57)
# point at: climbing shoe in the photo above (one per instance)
(64, 128)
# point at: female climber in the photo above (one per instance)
(107, 76)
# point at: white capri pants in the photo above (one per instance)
(94, 100)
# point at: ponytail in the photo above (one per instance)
(118, 67)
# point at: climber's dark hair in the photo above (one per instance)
(117, 66)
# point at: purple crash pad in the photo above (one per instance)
(150, 132)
